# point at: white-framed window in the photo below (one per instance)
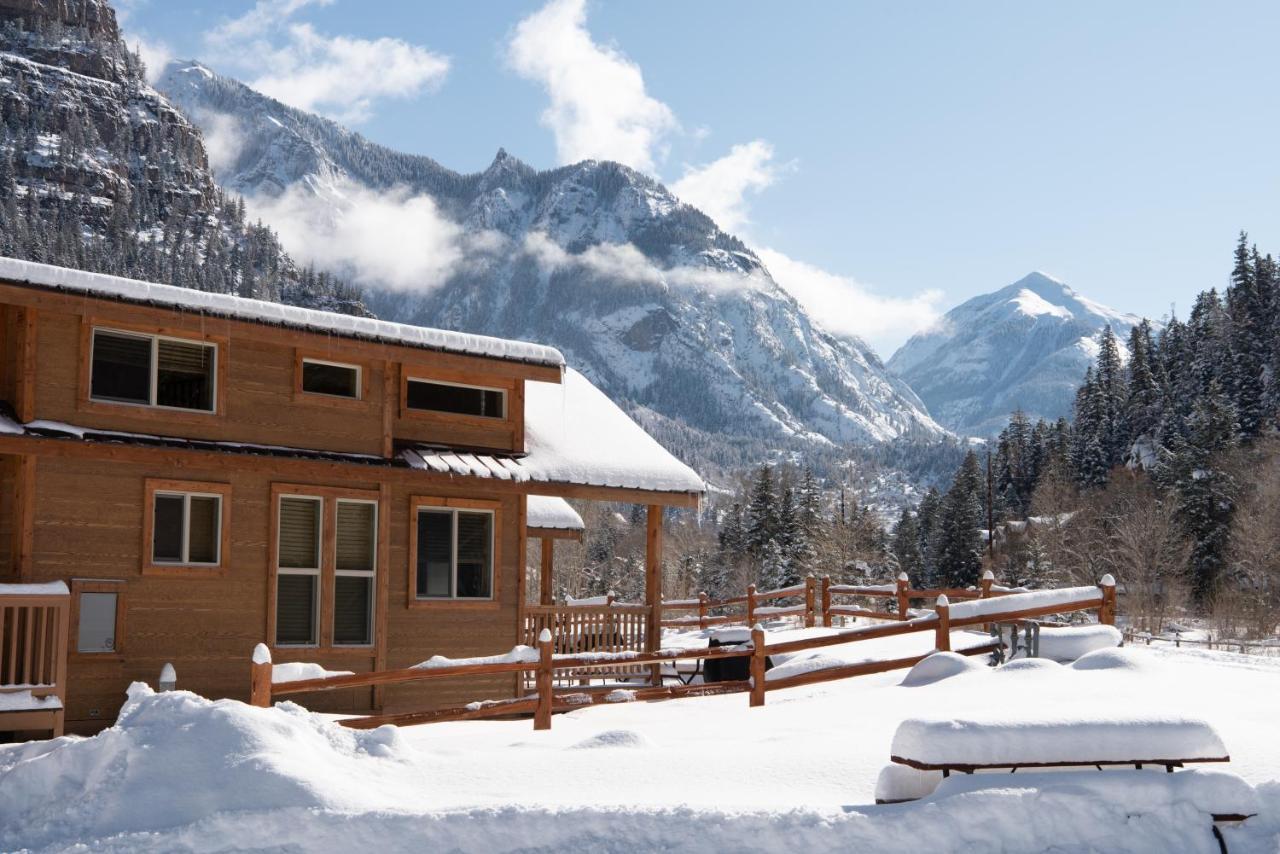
(153, 370)
(299, 520)
(186, 528)
(332, 379)
(455, 398)
(355, 561)
(454, 553)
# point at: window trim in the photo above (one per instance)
(316, 572)
(154, 383)
(154, 486)
(494, 508)
(97, 585)
(315, 398)
(409, 375)
(330, 496)
(85, 401)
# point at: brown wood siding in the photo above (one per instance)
(8, 472)
(207, 627)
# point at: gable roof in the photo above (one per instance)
(275, 314)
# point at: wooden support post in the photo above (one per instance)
(751, 604)
(260, 677)
(988, 578)
(757, 666)
(826, 601)
(810, 584)
(702, 609)
(943, 610)
(542, 682)
(903, 602)
(653, 587)
(1107, 611)
(548, 564)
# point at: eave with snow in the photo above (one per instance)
(262, 402)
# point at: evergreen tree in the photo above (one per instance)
(959, 550)
(906, 545)
(762, 512)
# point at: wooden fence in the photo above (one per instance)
(818, 601)
(543, 664)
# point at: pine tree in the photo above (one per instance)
(959, 560)
(906, 545)
(762, 512)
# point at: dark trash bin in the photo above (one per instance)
(728, 669)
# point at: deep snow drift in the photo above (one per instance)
(182, 773)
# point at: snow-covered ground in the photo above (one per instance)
(181, 773)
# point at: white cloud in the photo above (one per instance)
(623, 262)
(843, 306)
(719, 189)
(336, 75)
(599, 107)
(155, 53)
(223, 139)
(393, 239)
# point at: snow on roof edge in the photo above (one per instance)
(548, 511)
(261, 311)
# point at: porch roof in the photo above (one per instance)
(554, 514)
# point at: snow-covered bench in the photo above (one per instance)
(969, 744)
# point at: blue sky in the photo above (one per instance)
(888, 159)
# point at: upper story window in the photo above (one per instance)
(153, 370)
(456, 399)
(332, 379)
(187, 528)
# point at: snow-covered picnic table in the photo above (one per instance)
(970, 743)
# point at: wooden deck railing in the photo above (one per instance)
(544, 664)
(33, 654)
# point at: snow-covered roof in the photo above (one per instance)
(576, 435)
(261, 311)
(547, 511)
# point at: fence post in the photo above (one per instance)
(1107, 611)
(702, 609)
(988, 578)
(902, 595)
(260, 677)
(943, 610)
(809, 594)
(751, 604)
(757, 665)
(542, 682)
(826, 601)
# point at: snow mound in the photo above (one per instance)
(939, 666)
(1021, 664)
(174, 758)
(296, 671)
(612, 738)
(904, 783)
(1071, 642)
(1112, 659)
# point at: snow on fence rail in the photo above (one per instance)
(819, 602)
(543, 663)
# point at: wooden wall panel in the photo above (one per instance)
(207, 628)
(8, 510)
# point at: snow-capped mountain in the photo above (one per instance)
(668, 313)
(1025, 346)
(99, 171)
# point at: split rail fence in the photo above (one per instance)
(543, 663)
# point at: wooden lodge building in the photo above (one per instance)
(205, 472)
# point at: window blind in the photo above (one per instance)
(356, 535)
(351, 609)
(184, 375)
(121, 367)
(295, 609)
(435, 553)
(299, 533)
